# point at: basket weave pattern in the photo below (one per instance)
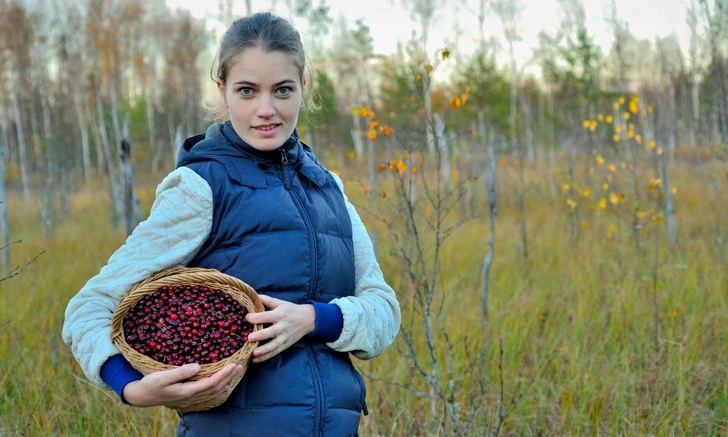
(237, 289)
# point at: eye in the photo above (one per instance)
(284, 90)
(246, 91)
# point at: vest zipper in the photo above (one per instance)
(311, 290)
(284, 161)
(319, 419)
(309, 228)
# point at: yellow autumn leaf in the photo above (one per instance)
(418, 77)
(612, 168)
(600, 117)
(626, 115)
(605, 186)
(428, 67)
(401, 167)
(608, 119)
(615, 137)
(600, 160)
(633, 107)
(652, 144)
(613, 199)
(372, 135)
(455, 102)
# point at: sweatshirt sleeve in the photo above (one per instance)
(372, 316)
(179, 223)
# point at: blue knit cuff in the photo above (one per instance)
(329, 322)
(117, 373)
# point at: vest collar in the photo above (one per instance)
(221, 143)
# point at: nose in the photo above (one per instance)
(266, 109)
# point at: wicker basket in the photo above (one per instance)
(240, 291)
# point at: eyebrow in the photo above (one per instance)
(253, 84)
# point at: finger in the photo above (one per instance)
(212, 383)
(270, 349)
(270, 302)
(262, 318)
(271, 331)
(169, 377)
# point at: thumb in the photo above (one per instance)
(169, 377)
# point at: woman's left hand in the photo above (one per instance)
(289, 322)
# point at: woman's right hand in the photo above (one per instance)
(169, 388)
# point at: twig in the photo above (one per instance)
(35, 408)
(18, 270)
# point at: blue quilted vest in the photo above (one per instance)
(280, 224)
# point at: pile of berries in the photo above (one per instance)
(185, 324)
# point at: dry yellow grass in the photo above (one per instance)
(577, 318)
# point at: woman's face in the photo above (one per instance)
(263, 95)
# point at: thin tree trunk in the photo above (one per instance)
(22, 156)
(525, 108)
(692, 19)
(115, 111)
(442, 148)
(111, 165)
(4, 229)
(671, 124)
(669, 205)
(83, 126)
(177, 143)
(150, 121)
(356, 136)
(126, 165)
(490, 174)
(47, 197)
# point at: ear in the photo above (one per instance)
(221, 89)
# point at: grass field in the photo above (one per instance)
(571, 336)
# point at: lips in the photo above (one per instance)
(268, 130)
(267, 127)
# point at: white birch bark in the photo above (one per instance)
(22, 155)
(4, 229)
(444, 155)
(115, 111)
(83, 127)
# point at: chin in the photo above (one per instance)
(268, 144)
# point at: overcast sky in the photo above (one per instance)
(390, 23)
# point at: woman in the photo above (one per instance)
(250, 200)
